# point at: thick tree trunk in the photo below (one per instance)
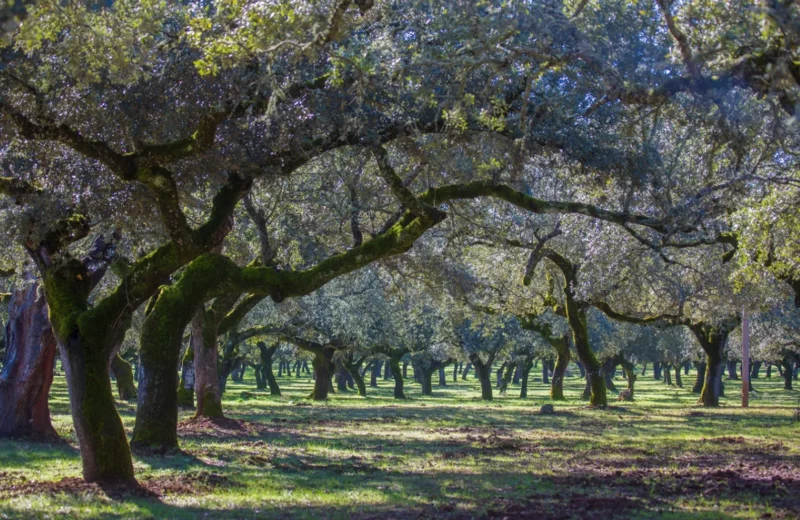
(28, 371)
(442, 377)
(484, 373)
(186, 383)
(354, 369)
(511, 367)
(206, 365)
(124, 375)
(323, 369)
(667, 374)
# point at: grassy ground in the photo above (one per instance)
(446, 456)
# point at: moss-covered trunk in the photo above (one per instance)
(186, 383)
(123, 373)
(86, 341)
(580, 336)
(28, 372)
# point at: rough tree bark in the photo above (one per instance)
(186, 383)
(712, 339)
(28, 371)
(266, 354)
(484, 373)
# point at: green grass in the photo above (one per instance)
(446, 456)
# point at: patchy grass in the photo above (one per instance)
(446, 456)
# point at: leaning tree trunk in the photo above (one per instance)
(484, 373)
(124, 375)
(28, 372)
(465, 372)
(526, 370)
(393, 368)
(186, 383)
(561, 346)
(354, 368)
(206, 366)
(593, 368)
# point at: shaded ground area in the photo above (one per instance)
(449, 456)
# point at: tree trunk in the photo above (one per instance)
(484, 373)
(442, 377)
(526, 370)
(667, 374)
(755, 370)
(466, 371)
(511, 367)
(323, 368)
(405, 369)
(581, 369)
(124, 375)
(700, 366)
(580, 335)
(787, 373)
(769, 370)
(644, 368)
(387, 372)
(732, 370)
(186, 383)
(426, 374)
(455, 372)
(561, 346)
(28, 371)
(393, 367)
(500, 375)
(206, 364)
(630, 375)
(545, 372)
(657, 370)
(678, 381)
(712, 339)
(354, 368)
(266, 367)
(341, 378)
(609, 368)
(376, 371)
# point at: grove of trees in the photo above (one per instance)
(193, 189)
